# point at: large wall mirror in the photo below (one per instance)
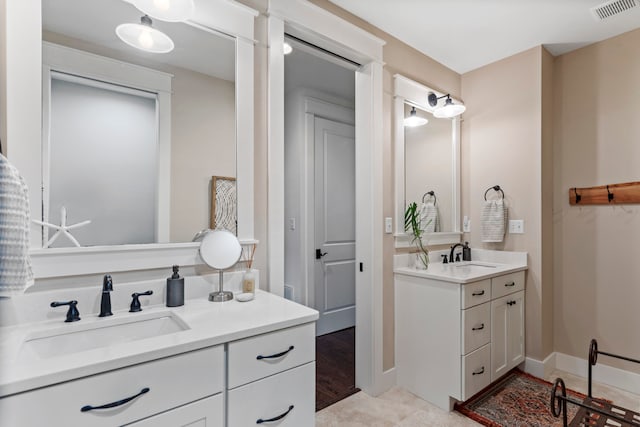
(132, 139)
(427, 164)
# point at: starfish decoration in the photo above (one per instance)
(63, 228)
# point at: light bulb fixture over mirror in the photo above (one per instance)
(448, 110)
(167, 10)
(414, 120)
(144, 37)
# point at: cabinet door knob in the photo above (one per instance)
(479, 328)
(477, 294)
(480, 372)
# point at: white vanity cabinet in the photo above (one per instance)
(453, 339)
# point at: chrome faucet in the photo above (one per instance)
(452, 249)
(105, 302)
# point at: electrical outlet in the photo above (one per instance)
(516, 226)
(292, 224)
(388, 225)
(466, 225)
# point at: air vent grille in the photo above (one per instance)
(611, 8)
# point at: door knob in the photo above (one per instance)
(320, 254)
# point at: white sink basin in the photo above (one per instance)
(77, 337)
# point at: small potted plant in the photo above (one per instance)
(413, 225)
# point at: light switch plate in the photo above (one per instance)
(466, 225)
(388, 225)
(516, 226)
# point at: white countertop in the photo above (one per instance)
(485, 264)
(209, 324)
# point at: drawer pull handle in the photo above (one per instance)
(477, 294)
(479, 328)
(115, 404)
(279, 417)
(510, 285)
(480, 372)
(275, 356)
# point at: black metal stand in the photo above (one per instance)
(592, 412)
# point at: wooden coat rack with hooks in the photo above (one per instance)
(612, 194)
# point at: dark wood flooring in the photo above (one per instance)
(335, 367)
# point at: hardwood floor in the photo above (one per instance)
(335, 367)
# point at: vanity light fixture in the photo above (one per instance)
(167, 10)
(414, 120)
(286, 48)
(448, 110)
(144, 37)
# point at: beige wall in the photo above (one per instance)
(203, 138)
(597, 142)
(502, 144)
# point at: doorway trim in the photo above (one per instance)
(320, 27)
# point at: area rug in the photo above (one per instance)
(517, 400)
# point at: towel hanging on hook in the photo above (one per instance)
(494, 188)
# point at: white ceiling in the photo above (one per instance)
(94, 22)
(466, 34)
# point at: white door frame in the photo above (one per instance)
(320, 27)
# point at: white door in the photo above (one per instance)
(499, 337)
(335, 264)
(515, 339)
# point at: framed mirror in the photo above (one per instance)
(427, 164)
(131, 138)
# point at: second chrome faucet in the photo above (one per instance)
(105, 302)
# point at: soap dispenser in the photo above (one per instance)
(175, 289)
(466, 252)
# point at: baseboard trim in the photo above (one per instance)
(388, 380)
(604, 374)
(540, 369)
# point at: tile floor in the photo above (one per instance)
(399, 408)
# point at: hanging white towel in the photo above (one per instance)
(15, 264)
(429, 218)
(493, 220)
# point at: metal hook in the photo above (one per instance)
(578, 196)
(609, 194)
(494, 188)
(432, 194)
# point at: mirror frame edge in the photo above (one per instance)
(409, 91)
(235, 20)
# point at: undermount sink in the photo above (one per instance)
(473, 264)
(77, 337)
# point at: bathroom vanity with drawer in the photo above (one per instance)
(234, 364)
(459, 326)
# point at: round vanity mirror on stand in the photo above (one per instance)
(220, 249)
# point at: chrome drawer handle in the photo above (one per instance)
(477, 294)
(479, 328)
(510, 285)
(275, 356)
(279, 417)
(480, 372)
(115, 404)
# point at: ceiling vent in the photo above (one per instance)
(613, 7)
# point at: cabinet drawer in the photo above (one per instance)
(257, 357)
(291, 393)
(477, 371)
(476, 293)
(172, 382)
(507, 284)
(476, 324)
